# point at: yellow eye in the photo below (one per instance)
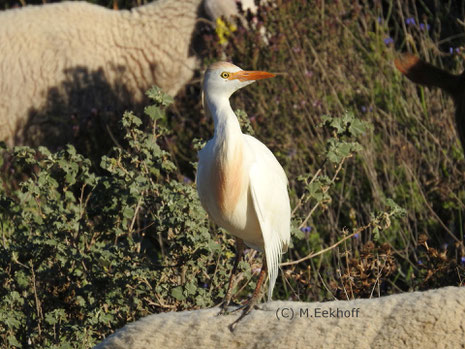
(225, 75)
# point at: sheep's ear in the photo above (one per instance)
(416, 69)
(426, 74)
(405, 63)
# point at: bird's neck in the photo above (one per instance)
(225, 120)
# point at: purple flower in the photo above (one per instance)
(420, 262)
(410, 21)
(424, 26)
(462, 260)
(292, 153)
(451, 50)
(356, 236)
(306, 229)
(388, 41)
(380, 20)
(364, 109)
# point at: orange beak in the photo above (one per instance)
(250, 75)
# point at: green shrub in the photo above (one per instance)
(83, 254)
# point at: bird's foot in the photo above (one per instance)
(224, 305)
(246, 309)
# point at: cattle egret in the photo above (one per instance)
(240, 183)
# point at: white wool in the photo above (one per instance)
(44, 48)
(228, 8)
(432, 319)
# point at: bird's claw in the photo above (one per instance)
(223, 311)
(246, 309)
(224, 305)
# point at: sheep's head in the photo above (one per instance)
(423, 73)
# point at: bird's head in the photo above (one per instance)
(226, 78)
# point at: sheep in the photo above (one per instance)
(73, 58)
(426, 74)
(431, 319)
(74, 61)
(228, 8)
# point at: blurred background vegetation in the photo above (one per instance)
(375, 167)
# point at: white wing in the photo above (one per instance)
(268, 186)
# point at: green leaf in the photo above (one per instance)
(191, 287)
(12, 322)
(154, 112)
(357, 127)
(13, 341)
(22, 279)
(177, 293)
(159, 96)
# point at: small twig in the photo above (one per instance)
(160, 304)
(377, 280)
(324, 191)
(343, 286)
(214, 273)
(324, 75)
(81, 199)
(138, 231)
(399, 290)
(431, 209)
(311, 255)
(36, 297)
(38, 206)
(113, 138)
(460, 277)
(3, 236)
(136, 211)
(326, 286)
(299, 203)
(348, 269)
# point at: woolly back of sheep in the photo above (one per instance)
(420, 319)
(75, 76)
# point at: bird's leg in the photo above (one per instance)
(240, 246)
(252, 302)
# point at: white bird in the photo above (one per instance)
(240, 182)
